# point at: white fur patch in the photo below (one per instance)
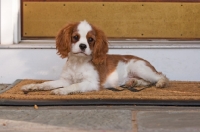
(79, 71)
(83, 28)
(118, 77)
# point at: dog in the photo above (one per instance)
(90, 68)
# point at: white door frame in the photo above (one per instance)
(10, 22)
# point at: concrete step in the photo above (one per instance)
(100, 118)
(37, 59)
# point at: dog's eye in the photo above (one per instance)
(76, 37)
(90, 40)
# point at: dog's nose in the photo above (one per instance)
(82, 46)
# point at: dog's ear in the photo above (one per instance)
(63, 40)
(100, 47)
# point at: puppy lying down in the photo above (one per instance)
(90, 68)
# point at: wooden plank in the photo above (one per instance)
(118, 20)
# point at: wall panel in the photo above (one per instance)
(117, 19)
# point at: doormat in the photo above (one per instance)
(179, 93)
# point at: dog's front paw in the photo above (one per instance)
(62, 91)
(59, 92)
(29, 87)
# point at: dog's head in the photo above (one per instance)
(82, 39)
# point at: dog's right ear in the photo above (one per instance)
(63, 40)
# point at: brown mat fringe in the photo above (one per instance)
(177, 90)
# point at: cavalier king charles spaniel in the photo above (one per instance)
(90, 68)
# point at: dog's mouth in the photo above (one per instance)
(81, 53)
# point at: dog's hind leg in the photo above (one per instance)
(144, 70)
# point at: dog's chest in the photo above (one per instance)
(77, 72)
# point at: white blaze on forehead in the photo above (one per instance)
(83, 28)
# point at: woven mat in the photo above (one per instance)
(176, 91)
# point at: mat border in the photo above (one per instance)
(87, 102)
(5, 102)
(10, 86)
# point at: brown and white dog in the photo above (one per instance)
(90, 68)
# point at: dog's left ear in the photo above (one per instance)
(100, 47)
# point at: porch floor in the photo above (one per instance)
(99, 118)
